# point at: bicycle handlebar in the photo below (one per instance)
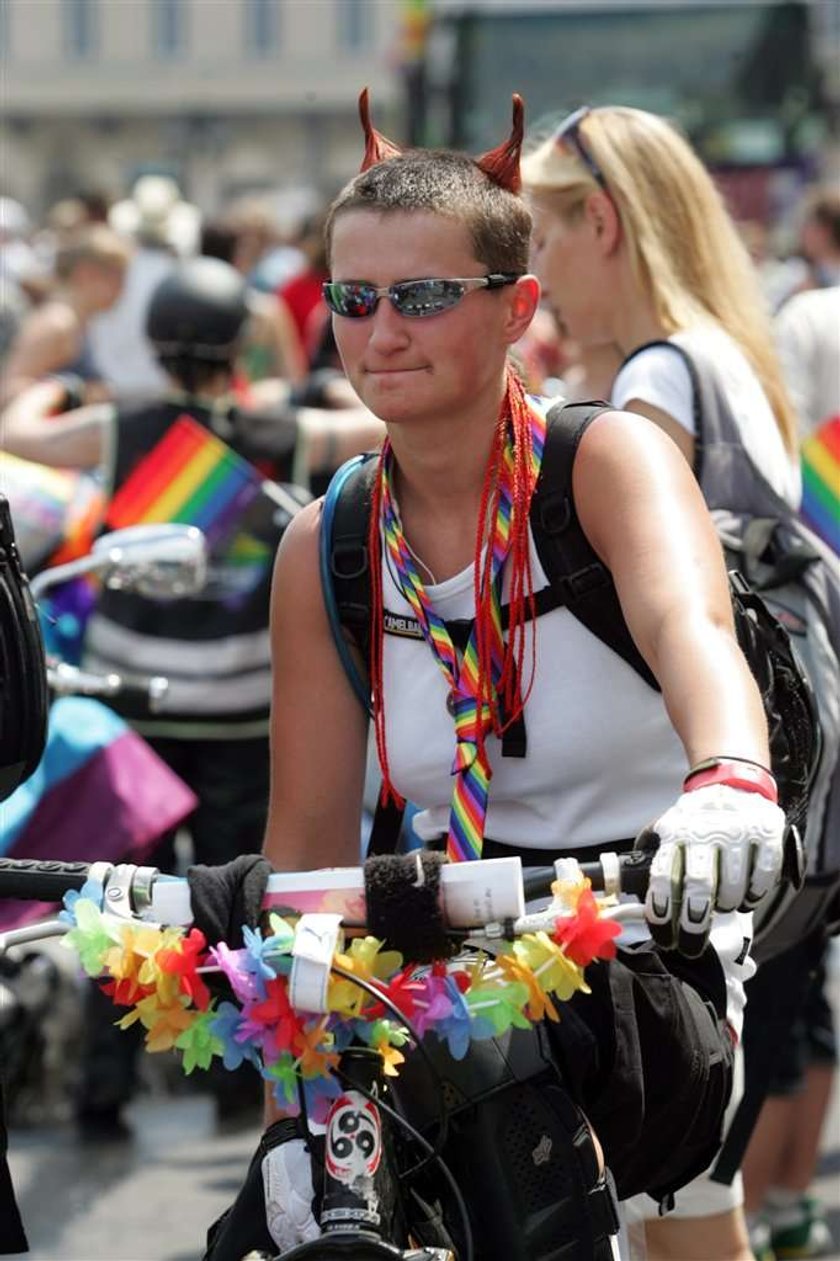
(474, 895)
(67, 680)
(40, 880)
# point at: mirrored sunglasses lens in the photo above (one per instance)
(354, 301)
(426, 297)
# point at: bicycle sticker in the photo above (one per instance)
(354, 1138)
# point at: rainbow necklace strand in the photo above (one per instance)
(474, 715)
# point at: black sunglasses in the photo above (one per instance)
(416, 299)
(569, 133)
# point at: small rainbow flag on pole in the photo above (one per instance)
(190, 477)
(821, 482)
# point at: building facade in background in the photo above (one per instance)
(227, 96)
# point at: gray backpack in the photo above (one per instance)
(798, 577)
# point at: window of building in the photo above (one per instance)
(169, 32)
(355, 24)
(81, 27)
(262, 27)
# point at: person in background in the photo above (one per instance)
(819, 235)
(54, 338)
(271, 346)
(212, 728)
(302, 296)
(159, 227)
(634, 247)
(786, 1219)
(807, 330)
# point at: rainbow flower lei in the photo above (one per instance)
(158, 975)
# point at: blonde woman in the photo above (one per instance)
(633, 246)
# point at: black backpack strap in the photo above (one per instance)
(345, 565)
(579, 581)
(345, 580)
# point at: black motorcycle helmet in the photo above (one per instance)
(198, 312)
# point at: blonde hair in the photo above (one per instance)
(93, 243)
(683, 246)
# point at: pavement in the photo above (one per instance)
(151, 1199)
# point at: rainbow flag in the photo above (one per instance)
(82, 802)
(821, 482)
(190, 477)
(57, 512)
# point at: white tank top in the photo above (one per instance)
(602, 758)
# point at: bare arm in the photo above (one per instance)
(329, 437)
(666, 422)
(29, 428)
(318, 728)
(642, 510)
(48, 341)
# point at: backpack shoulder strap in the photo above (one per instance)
(578, 579)
(345, 565)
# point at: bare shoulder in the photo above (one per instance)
(299, 545)
(624, 445)
(296, 572)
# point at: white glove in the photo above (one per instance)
(720, 848)
(287, 1182)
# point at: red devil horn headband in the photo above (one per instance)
(377, 147)
(501, 165)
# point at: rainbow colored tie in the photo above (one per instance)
(473, 717)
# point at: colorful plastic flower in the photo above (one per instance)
(586, 935)
(91, 891)
(282, 1073)
(199, 1043)
(433, 1003)
(314, 1050)
(226, 1025)
(554, 972)
(92, 937)
(233, 965)
(456, 1028)
(254, 958)
(500, 1005)
(183, 962)
(272, 1023)
(363, 959)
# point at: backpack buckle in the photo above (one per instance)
(555, 513)
(349, 560)
(585, 580)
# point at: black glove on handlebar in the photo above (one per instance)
(228, 897)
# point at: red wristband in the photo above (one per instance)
(748, 776)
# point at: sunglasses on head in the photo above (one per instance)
(416, 299)
(568, 133)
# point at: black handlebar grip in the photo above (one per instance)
(634, 868)
(40, 880)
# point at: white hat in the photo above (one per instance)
(14, 221)
(156, 212)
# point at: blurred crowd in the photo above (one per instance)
(76, 283)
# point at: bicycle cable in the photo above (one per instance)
(443, 1116)
(431, 1156)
